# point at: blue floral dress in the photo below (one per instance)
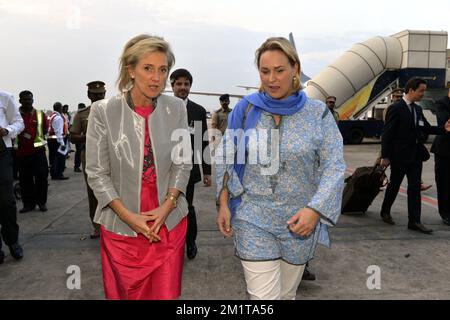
(301, 166)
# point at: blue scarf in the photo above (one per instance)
(261, 101)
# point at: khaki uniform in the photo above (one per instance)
(79, 126)
(220, 120)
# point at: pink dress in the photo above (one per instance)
(134, 268)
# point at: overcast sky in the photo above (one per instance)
(53, 48)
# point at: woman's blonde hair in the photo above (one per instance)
(134, 50)
(283, 45)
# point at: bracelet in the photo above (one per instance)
(170, 196)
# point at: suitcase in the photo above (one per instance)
(362, 187)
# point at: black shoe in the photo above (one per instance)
(26, 209)
(2, 256)
(308, 276)
(416, 226)
(387, 219)
(446, 221)
(16, 251)
(77, 170)
(191, 251)
(43, 207)
(60, 178)
(95, 234)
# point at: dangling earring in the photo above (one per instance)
(294, 81)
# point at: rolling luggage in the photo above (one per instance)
(362, 187)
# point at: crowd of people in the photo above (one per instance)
(278, 157)
(33, 145)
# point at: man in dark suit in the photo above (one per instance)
(402, 147)
(181, 81)
(441, 150)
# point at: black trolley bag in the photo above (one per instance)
(362, 187)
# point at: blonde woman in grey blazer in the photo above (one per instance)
(138, 160)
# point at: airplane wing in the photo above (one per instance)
(248, 87)
(213, 94)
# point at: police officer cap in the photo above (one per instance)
(96, 87)
(398, 91)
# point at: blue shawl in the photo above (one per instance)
(261, 101)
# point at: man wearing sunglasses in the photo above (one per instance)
(331, 103)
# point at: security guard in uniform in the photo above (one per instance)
(220, 117)
(331, 103)
(30, 155)
(96, 91)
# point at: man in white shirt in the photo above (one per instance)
(11, 124)
(56, 144)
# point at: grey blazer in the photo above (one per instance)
(115, 154)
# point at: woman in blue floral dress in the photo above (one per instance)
(280, 174)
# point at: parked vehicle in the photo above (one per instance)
(354, 131)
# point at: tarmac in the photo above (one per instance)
(368, 260)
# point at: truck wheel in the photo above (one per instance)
(356, 136)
